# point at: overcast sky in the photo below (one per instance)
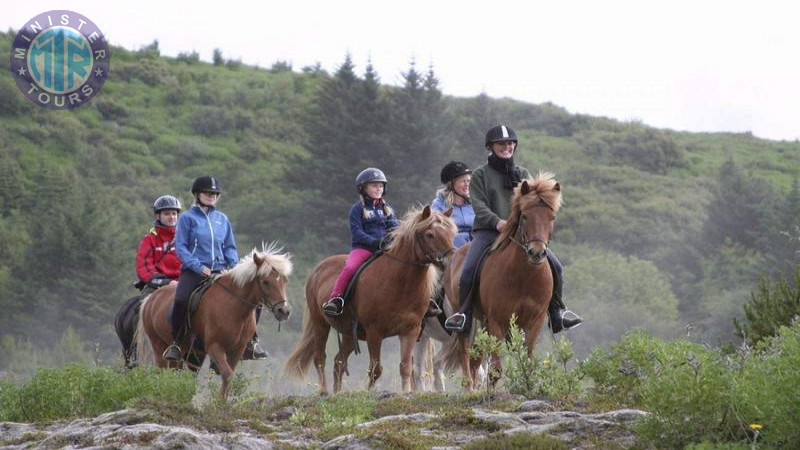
(686, 65)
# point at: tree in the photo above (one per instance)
(773, 305)
(217, 58)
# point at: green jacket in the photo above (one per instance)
(490, 200)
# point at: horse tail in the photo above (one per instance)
(144, 350)
(452, 353)
(297, 364)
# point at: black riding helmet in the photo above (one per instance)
(500, 133)
(166, 202)
(369, 175)
(206, 183)
(453, 170)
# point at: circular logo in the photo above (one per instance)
(60, 59)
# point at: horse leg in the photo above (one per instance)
(340, 363)
(407, 342)
(219, 356)
(421, 355)
(374, 341)
(438, 374)
(495, 369)
(466, 366)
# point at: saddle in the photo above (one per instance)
(194, 303)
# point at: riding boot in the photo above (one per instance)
(560, 317)
(462, 320)
(254, 350)
(334, 307)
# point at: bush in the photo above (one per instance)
(772, 306)
(82, 391)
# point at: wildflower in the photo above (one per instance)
(546, 362)
(756, 426)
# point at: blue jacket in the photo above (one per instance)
(463, 216)
(366, 232)
(205, 240)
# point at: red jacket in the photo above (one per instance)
(157, 254)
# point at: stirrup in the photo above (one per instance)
(333, 307)
(254, 351)
(451, 325)
(570, 320)
(169, 353)
(433, 309)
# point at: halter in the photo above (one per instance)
(431, 256)
(534, 257)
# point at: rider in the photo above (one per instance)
(157, 263)
(205, 243)
(454, 193)
(491, 191)
(371, 220)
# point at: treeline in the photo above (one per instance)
(661, 229)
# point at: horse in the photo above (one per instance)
(390, 299)
(515, 278)
(225, 318)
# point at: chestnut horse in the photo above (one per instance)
(390, 299)
(225, 319)
(515, 278)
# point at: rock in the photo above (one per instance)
(416, 417)
(622, 415)
(535, 405)
(123, 417)
(503, 419)
(10, 431)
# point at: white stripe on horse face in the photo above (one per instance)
(505, 131)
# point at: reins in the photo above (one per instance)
(262, 301)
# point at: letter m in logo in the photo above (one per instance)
(19, 53)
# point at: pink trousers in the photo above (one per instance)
(356, 257)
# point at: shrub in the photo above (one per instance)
(82, 391)
(772, 306)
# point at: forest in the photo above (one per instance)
(672, 232)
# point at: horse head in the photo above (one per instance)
(434, 233)
(272, 278)
(533, 214)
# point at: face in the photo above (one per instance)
(461, 185)
(274, 287)
(504, 149)
(168, 217)
(209, 198)
(374, 189)
(537, 222)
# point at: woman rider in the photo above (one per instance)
(205, 244)
(491, 189)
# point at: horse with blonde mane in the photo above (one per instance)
(225, 318)
(515, 279)
(390, 299)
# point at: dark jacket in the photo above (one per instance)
(368, 224)
(490, 199)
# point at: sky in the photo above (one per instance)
(684, 65)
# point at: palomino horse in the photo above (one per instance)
(390, 299)
(515, 278)
(225, 319)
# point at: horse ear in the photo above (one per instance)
(257, 259)
(557, 187)
(449, 212)
(426, 212)
(524, 189)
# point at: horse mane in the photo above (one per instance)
(404, 235)
(541, 188)
(245, 271)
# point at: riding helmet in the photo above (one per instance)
(369, 175)
(453, 170)
(500, 133)
(166, 202)
(206, 183)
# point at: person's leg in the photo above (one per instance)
(187, 282)
(335, 305)
(560, 317)
(460, 321)
(254, 350)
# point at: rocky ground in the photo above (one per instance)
(131, 429)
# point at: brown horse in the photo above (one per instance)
(225, 319)
(515, 278)
(390, 299)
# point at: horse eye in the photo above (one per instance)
(429, 234)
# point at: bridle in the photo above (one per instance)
(263, 300)
(534, 257)
(431, 255)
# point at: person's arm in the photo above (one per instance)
(183, 234)
(145, 260)
(229, 246)
(360, 236)
(438, 204)
(485, 218)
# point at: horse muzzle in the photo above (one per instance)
(536, 257)
(281, 310)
